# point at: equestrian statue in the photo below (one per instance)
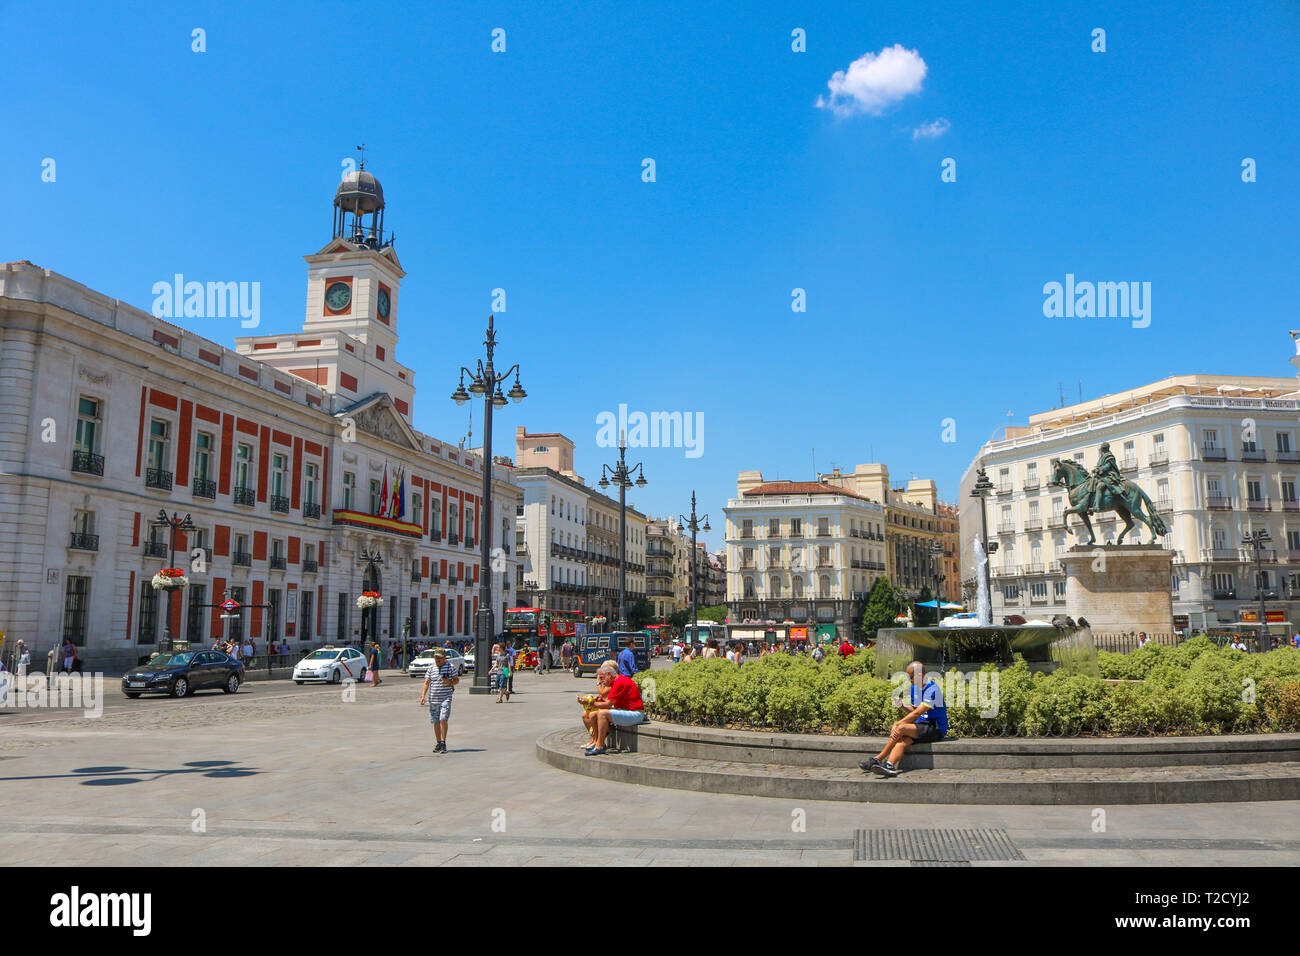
(1104, 489)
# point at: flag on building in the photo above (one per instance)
(383, 495)
(399, 497)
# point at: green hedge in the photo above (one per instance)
(1195, 687)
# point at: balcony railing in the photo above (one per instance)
(1033, 524)
(1288, 457)
(243, 496)
(280, 503)
(1159, 458)
(309, 566)
(1007, 528)
(241, 559)
(415, 576)
(435, 535)
(747, 534)
(1056, 521)
(1290, 504)
(1165, 504)
(1257, 504)
(155, 549)
(823, 532)
(1223, 554)
(796, 532)
(1214, 454)
(84, 542)
(1224, 594)
(1254, 454)
(1034, 568)
(277, 562)
(157, 478)
(453, 539)
(1007, 571)
(1031, 484)
(1219, 502)
(203, 488)
(310, 509)
(88, 463)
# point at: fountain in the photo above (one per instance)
(971, 643)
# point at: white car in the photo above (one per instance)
(424, 660)
(330, 665)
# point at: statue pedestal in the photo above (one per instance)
(1120, 588)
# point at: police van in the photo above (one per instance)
(592, 650)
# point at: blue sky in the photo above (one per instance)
(522, 170)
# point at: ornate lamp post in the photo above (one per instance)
(621, 475)
(936, 550)
(175, 523)
(981, 490)
(372, 560)
(694, 524)
(1257, 540)
(486, 382)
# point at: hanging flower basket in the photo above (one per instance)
(170, 579)
(369, 599)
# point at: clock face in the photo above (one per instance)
(338, 295)
(384, 303)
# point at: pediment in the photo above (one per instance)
(377, 416)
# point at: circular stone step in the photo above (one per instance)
(1057, 785)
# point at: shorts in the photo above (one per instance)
(626, 718)
(439, 710)
(927, 732)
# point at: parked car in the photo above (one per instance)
(182, 674)
(592, 650)
(469, 661)
(424, 660)
(330, 665)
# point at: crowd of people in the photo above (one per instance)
(737, 651)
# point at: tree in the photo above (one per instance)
(925, 615)
(679, 619)
(639, 614)
(716, 613)
(882, 607)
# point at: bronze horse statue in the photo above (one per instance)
(1080, 487)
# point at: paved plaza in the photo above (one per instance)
(279, 774)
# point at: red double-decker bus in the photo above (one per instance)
(531, 624)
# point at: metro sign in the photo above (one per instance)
(230, 607)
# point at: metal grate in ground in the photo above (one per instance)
(934, 847)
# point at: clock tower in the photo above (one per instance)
(348, 342)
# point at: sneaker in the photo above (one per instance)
(441, 748)
(889, 770)
(869, 764)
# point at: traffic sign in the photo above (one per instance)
(230, 606)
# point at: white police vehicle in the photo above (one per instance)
(330, 665)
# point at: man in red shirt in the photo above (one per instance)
(846, 649)
(621, 707)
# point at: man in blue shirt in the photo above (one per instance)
(926, 722)
(627, 658)
(510, 681)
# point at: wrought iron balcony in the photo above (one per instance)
(203, 488)
(1288, 457)
(1034, 568)
(453, 539)
(1033, 524)
(435, 535)
(310, 509)
(1254, 454)
(1224, 595)
(1159, 458)
(280, 504)
(1129, 463)
(1223, 554)
(241, 559)
(158, 478)
(1165, 504)
(155, 549)
(415, 576)
(1214, 454)
(1005, 488)
(88, 463)
(1218, 502)
(1007, 528)
(1290, 504)
(1031, 484)
(244, 496)
(84, 542)
(1257, 504)
(309, 566)
(747, 534)
(1056, 521)
(277, 562)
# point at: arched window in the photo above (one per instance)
(774, 587)
(824, 586)
(796, 587)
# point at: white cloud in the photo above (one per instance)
(932, 130)
(874, 81)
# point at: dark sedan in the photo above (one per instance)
(182, 674)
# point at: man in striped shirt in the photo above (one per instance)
(440, 682)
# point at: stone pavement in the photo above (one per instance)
(282, 775)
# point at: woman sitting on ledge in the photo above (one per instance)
(617, 705)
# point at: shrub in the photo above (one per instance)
(1280, 703)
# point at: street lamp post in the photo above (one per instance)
(175, 523)
(1257, 539)
(982, 487)
(621, 475)
(694, 524)
(936, 549)
(485, 381)
(372, 560)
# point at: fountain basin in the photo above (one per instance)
(1043, 647)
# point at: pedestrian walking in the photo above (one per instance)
(373, 663)
(439, 684)
(543, 658)
(511, 653)
(24, 660)
(677, 652)
(500, 672)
